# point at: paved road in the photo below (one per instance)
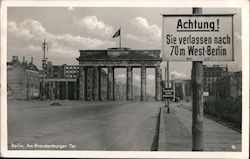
(88, 126)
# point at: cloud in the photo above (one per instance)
(35, 27)
(28, 28)
(34, 47)
(71, 8)
(137, 38)
(19, 31)
(56, 49)
(87, 42)
(178, 74)
(93, 24)
(152, 30)
(34, 31)
(147, 33)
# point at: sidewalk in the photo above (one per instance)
(176, 132)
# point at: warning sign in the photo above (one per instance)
(167, 93)
(198, 37)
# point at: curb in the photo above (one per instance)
(162, 136)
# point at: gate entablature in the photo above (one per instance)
(119, 57)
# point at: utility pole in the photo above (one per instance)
(44, 48)
(173, 85)
(167, 85)
(167, 74)
(120, 45)
(197, 106)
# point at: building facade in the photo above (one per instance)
(212, 74)
(220, 83)
(22, 79)
(183, 89)
(230, 85)
(60, 82)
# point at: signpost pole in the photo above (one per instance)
(167, 74)
(168, 83)
(197, 106)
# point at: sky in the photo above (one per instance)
(70, 29)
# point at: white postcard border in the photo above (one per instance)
(243, 4)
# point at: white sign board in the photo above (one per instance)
(198, 37)
(206, 94)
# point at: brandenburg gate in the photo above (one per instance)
(117, 58)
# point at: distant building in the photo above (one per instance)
(60, 81)
(22, 79)
(212, 74)
(183, 89)
(219, 82)
(236, 84)
(230, 85)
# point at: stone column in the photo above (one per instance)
(96, 83)
(57, 90)
(40, 90)
(53, 91)
(100, 84)
(82, 83)
(129, 83)
(157, 83)
(89, 84)
(183, 90)
(66, 90)
(143, 83)
(114, 96)
(75, 86)
(50, 90)
(173, 86)
(28, 86)
(110, 83)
